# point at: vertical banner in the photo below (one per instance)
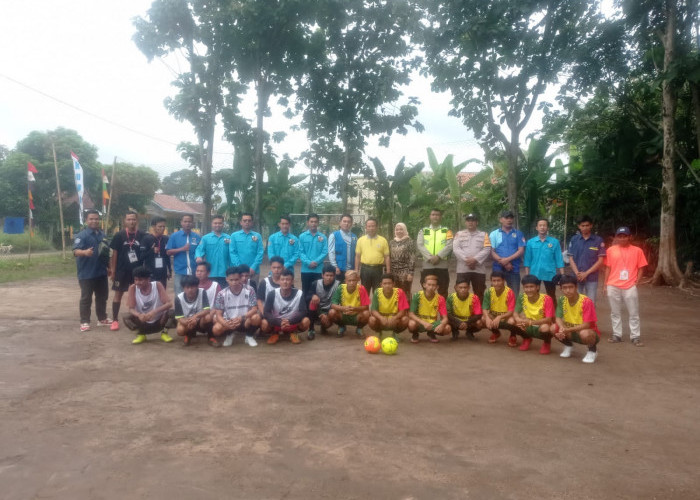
(79, 183)
(31, 170)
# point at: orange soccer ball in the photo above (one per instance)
(372, 345)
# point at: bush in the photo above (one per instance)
(20, 242)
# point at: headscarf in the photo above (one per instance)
(401, 224)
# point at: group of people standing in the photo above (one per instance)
(360, 282)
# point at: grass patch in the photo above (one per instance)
(41, 266)
(20, 242)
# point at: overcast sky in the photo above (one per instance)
(58, 55)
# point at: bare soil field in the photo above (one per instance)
(89, 416)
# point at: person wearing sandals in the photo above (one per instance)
(235, 310)
(403, 251)
(575, 319)
(534, 314)
(498, 308)
(623, 270)
(428, 312)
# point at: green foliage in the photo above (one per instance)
(20, 242)
(184, 184)
(38, 268)
(36, 148)
(133, 188)
(393, 193)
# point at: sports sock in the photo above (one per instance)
(593, 348)
(115, 310)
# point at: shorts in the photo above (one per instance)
(348, 319)
(288, 329)
(421, 328)
(534, 332)
(576, 337)
(122, 280)
(454, 322)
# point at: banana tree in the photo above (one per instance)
(393, 192)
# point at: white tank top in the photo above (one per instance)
(283, 308)
(211, 292)
(189, 309)
(235, 306)
(147, 303)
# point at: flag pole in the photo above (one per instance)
(29, 247)
(58, 195)
(111, 190)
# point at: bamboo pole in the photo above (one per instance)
(60, 203)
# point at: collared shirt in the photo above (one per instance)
(285, 246)
(505, 244)
(346, 260)
(215, 250)
(586, 252)
(474, 244)
(246, 248)
(372, 250)
(543, 257)
(90, 267)
(184, 262)
(313, 247)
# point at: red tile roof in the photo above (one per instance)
(172, 204)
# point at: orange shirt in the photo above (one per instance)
(624, 264)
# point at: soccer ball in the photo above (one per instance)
(372, 345)
(389, 345)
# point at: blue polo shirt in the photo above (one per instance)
(543, 257)
(312, 248)
(89, 267)
(506, 244)
(246, 248)
(215, 250)
(285, 246)
(585, 252)
(178, 240)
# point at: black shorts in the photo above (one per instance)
(122, 280)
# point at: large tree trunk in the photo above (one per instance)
(667, 271)
(695, 89)
(258, 155)
(205, 164)
(344, 179)
(513, 153)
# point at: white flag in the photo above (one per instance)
(79, 183)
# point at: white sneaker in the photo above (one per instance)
(250, 341)
(566, 353)
(228, 341)
(590, 357)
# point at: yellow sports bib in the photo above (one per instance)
(388, 306)
(349, 299)
(573, 315)
(499, 303)
(428, 309)
(534, 310)
(462, 308)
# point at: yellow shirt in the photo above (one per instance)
(372, 250)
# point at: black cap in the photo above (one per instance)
(471, 216)
(623, 230)
(507, 214)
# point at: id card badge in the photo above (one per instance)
(624, 275)
(159, 262)
(132, 257)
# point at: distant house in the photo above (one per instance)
(173, 209)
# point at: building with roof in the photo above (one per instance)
(173, 209)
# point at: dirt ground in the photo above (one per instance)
(88, 415)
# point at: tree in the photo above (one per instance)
(133, 188)
(351, 92)
(497, 59)
(36, 147)
(185, 184)
(672, 22)
(199, 30)
(393, 192)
